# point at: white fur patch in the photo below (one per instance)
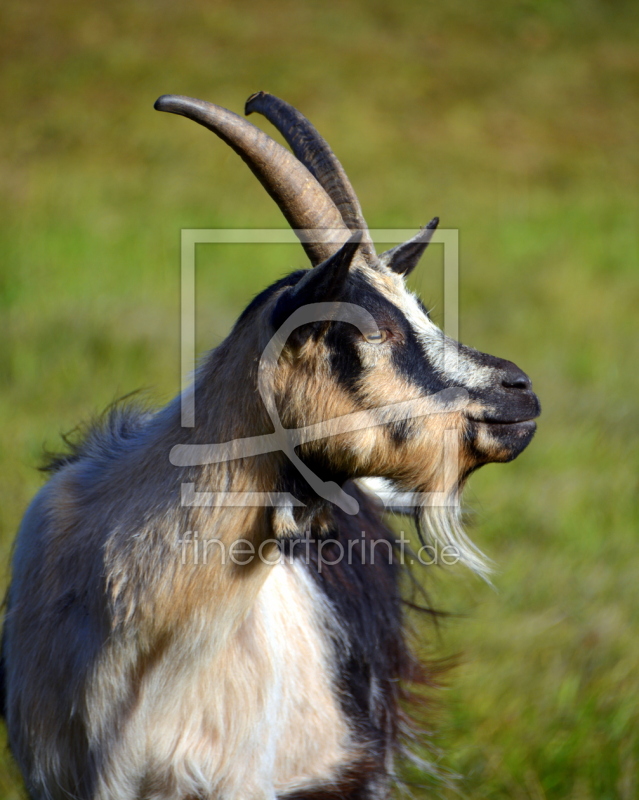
(446, 355)
(440, 523)
(259, 719)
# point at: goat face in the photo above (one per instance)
(407, 389)
(330, 369)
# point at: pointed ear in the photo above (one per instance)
(321, 284)
(405, 257)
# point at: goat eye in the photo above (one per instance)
(376, 338)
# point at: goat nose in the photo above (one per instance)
(514, 378)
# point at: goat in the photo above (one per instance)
(133, 672)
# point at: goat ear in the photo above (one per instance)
(404, 258)
(321, 284)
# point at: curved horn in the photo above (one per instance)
(314, 152)
(299, 196)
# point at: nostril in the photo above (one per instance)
(516, 381)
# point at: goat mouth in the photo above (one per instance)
(500, 439)
(518, 412)
(502, 429)
(505, 422)
(511, 433)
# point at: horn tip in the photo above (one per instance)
(165, 103)
(248, 106)
(431, 225)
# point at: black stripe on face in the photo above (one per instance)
(260, 299)
(411, 362)
(341, 338)
(408, 357)
(345, 361)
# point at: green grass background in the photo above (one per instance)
(515, 122)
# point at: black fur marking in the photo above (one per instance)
(341, 337)
(401, 432)
(411, 362)
(385, 313)
(260, 299)
(409, 358)
(344, 358)
(290, 480)
(323, 283)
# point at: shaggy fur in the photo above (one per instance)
(140, 663)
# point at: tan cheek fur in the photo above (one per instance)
(371, 450)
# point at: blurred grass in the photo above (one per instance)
(517, 123)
